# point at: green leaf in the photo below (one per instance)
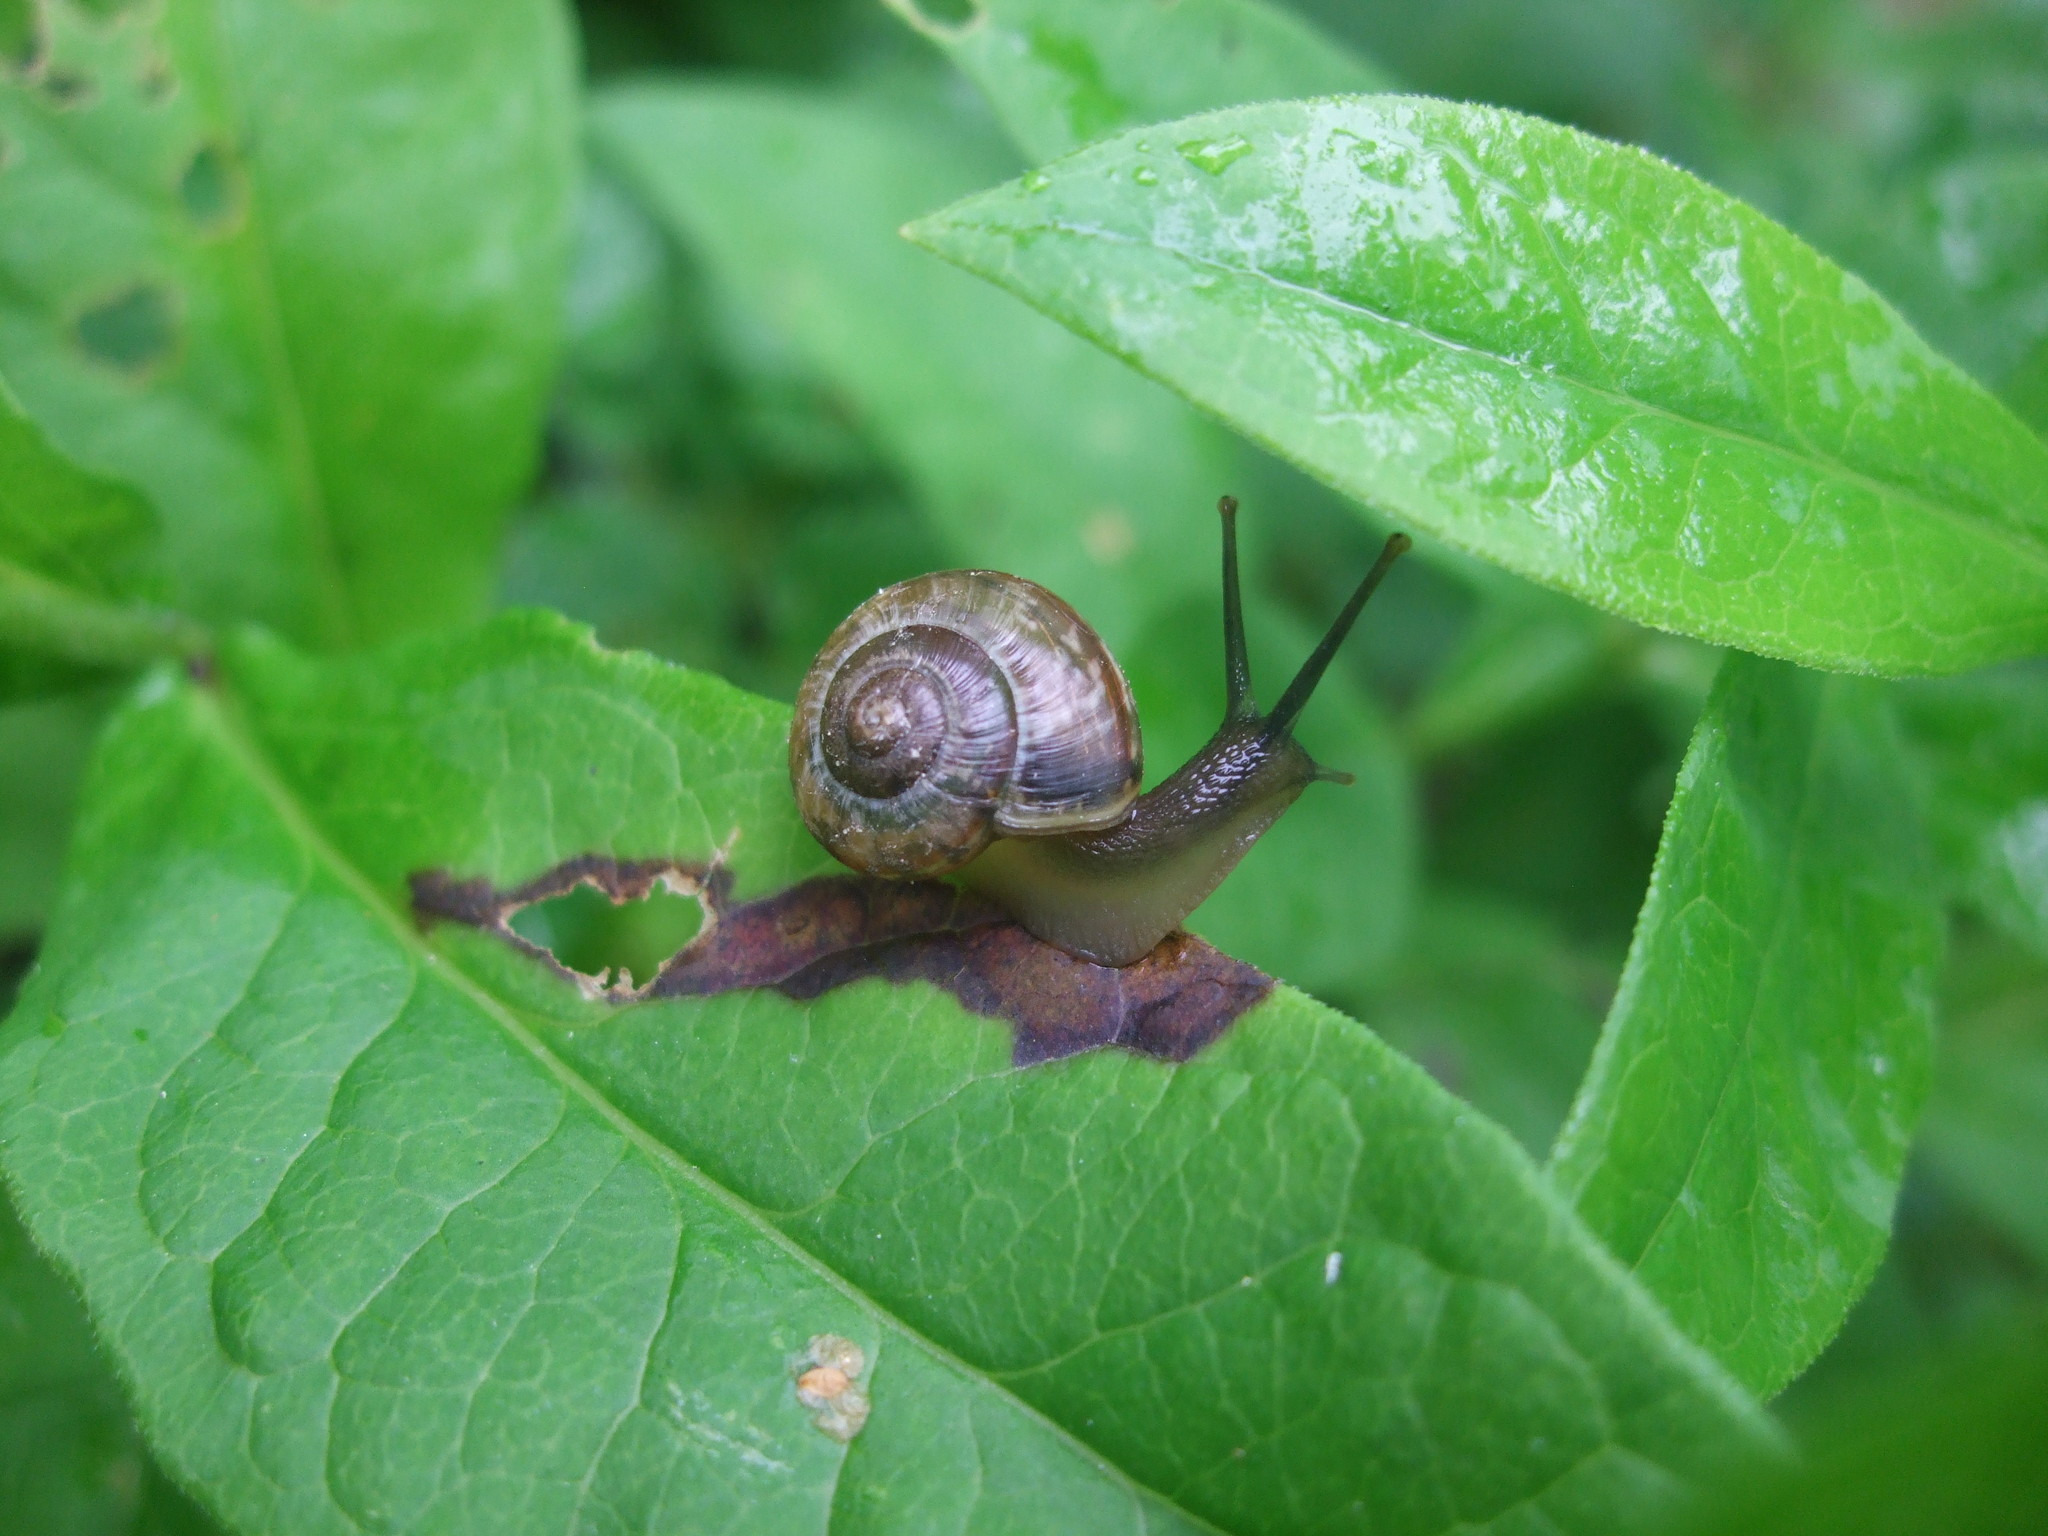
(1063, 73)
(74, 548)
(1031, 452)
(1560, 354)
(293, 271)
(1740, 1134)
(71, 1460)
(395, 1229)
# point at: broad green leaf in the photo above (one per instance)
(1031, 452)
(75, 549)
(392, 1228)
(1560, 354)
(71, 1460)
(1063, 73)
(293, 270)
(1739, 1137)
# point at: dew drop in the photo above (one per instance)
(1216, 155)
(1037, 181)
(131, 331)
(1145, 176)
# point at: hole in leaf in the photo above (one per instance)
(586, 931)
(837, 929)
(132, 331)
(21, 34)
(66, 89)
(211, 189)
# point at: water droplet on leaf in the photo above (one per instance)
(1216, 155)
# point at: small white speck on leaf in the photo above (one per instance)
(1333, 1267)
(828, 1383)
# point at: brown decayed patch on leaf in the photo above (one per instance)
(837, 930)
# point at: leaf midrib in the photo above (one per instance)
(222, 714)
(301, 462)
(2026, 547)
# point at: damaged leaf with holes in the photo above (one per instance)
(459, 1143)
(292, 272)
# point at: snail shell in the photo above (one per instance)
(955, 708)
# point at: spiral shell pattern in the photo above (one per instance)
(955, 708)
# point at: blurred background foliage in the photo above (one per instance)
(744, 445)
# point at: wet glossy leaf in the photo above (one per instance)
(1558, 353)
(1063, 73)
(71, 1460)
(396, 1229)
(1031, 453)
(1739, 1137)
(293, 270)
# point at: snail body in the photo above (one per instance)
(971, 723)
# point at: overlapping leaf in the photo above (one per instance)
(393, 1230)
(1063, 73)
(1558, 353)
(292, 270)
(1739, 1138)
(76, 551)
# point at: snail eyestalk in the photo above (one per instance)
(1237, 665)
(1295, 699)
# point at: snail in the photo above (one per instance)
(972, 722)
